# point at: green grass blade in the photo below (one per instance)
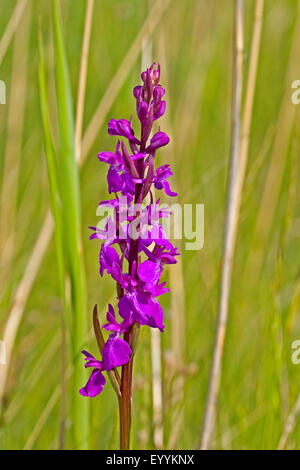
(52, 175)
(70, 197)
(56, 210)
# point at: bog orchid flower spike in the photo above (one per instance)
(132, 175)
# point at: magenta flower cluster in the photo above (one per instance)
(131, 176)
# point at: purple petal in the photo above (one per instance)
(100, 234)
(158, 185)
(122, 128)
(87, 355)
(125, 306)
(133, 305)
(158, 290)
(91, 361)
(114, 181)
(163, 172)
(142, 111)
(158, 93)
(149, 272)
(109, 203)
(168, 258)
(94, 385)
(107, 257)
(107, 157)
(138, 156)
(137, 91)
(112, 324)
(156, 319)
(126, 323)
(127, 185)
(158, 140)
(116, 352)
(148, 311)
(159, 236)
(125, 129)
(168, 190)
(161, 110)
(138, 180)
(142, 307)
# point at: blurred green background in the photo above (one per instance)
(193, 43)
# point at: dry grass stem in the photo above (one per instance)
(17, 100)
(11, 27)
(230, 228)
(83, 75)
(21, 296)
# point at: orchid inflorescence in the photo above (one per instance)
(131, 177)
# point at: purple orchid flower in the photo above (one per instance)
(135, 259)
(107, 257)
(160, 139)
(96, 382)
(160, 179)
(113, 325)
(122, 128)
(115, 353)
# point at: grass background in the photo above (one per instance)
(193, 42)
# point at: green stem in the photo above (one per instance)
(126, 389)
